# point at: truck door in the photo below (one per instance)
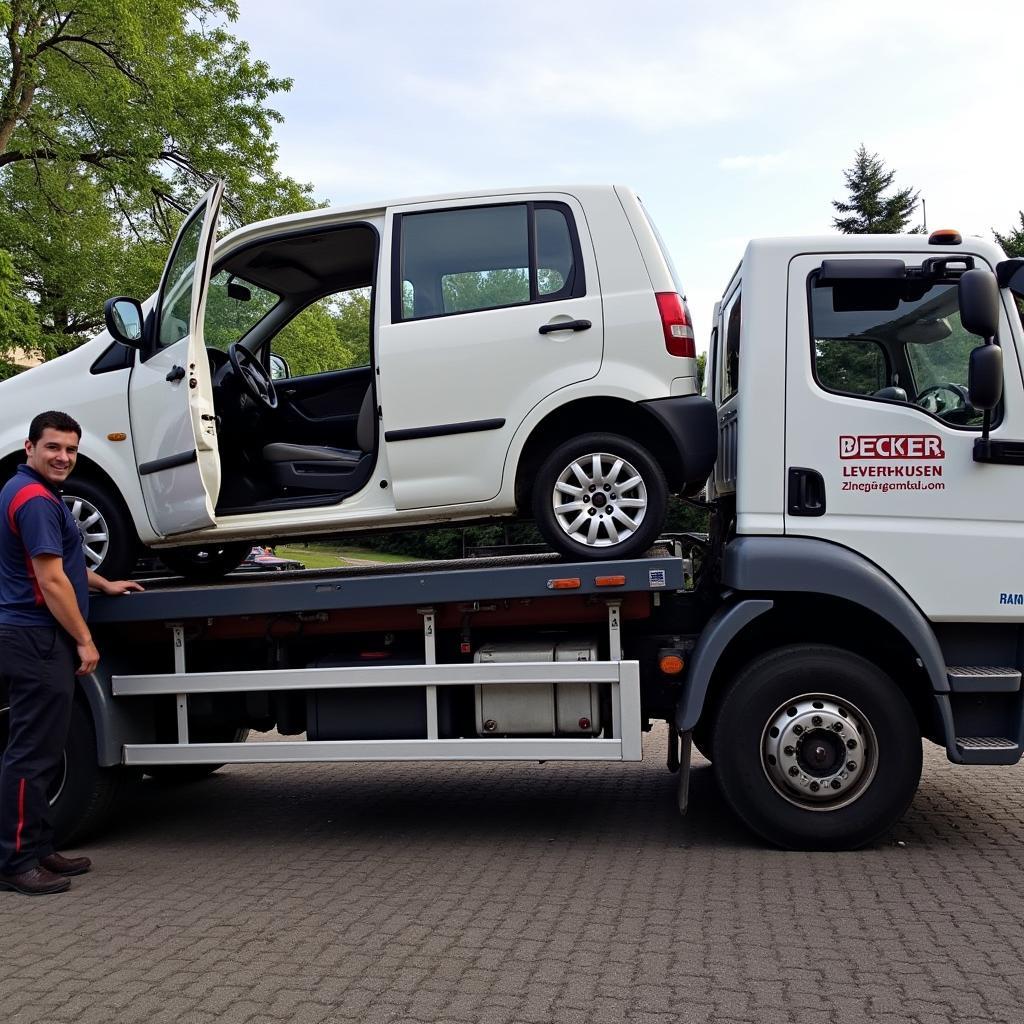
(170, 394)
(471, 343)
(880, 436)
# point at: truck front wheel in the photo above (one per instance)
(816, 748)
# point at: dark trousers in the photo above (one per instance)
(37, 671)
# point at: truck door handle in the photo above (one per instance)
(806, 492)
(176, 373)
(566, 325)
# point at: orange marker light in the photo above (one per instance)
(567, 583)
(117, 437)
(945, 236)
(610, 581)
(671, 664)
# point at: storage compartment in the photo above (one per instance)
(374, 713)
(538, 709)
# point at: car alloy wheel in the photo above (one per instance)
(599, 500)
(94, 529)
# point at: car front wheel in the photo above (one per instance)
(600, 496)
(108, 537)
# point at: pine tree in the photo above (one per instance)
(1013, 241)
(869, 211)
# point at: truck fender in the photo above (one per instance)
(807, 565)
(115, 723)
(716, 636)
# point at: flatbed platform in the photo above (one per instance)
(397, 584)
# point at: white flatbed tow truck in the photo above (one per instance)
(858, 590)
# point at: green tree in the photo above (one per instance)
(1013, 241)
(114, 119)
(18, 326)
(868, 210)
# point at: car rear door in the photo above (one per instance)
(170, 393)
(470, 341)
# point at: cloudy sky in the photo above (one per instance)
(730, 120)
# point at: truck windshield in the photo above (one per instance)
(901, 343)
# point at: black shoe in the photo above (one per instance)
(36, 881)
(61, 865)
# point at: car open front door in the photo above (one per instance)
(171, 392)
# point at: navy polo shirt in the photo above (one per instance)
(35, 521)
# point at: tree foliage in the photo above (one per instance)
(868, 210)
(1013, 241)
(114, 119)
(18, 326)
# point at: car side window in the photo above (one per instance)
(176, 305)
(485, 257)
(898, 341)
(332, 333)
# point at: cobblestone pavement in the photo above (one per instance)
(521, 893)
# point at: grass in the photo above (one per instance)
(330, 556)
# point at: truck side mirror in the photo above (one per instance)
(124, 320)
(978, 295)
(985, 377)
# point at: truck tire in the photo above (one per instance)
(108, 536)
(205, 563)
(583, 511)
(82, 795)
(816, 748)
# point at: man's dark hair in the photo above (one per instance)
(56, 421)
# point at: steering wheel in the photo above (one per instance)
(253, 375)
(930, 399)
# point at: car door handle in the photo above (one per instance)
(566, 325)
(176, 373)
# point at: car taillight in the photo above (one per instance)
(675, 322)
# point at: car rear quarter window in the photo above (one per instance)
(484, 257)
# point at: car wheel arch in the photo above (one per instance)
(584, 415)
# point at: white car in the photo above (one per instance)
(526, 352)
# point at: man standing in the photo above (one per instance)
(44, 602)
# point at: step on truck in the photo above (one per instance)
(859, 589)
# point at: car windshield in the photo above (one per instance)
(234, 307)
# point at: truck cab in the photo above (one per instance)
(841, 375)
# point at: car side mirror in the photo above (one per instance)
(279, 368)
(978, 295)
(985, 377)
(124, 320)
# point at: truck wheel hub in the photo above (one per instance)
(819, 752)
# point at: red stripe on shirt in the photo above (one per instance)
(27, 493)
(21, 497)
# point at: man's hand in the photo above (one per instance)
(113, 587)
(118, 586)
(90, 658)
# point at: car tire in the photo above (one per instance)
(576, 505)
(108, 536)
(816, 748)
(83, 795)
(205, 563)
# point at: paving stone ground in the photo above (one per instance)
(521, 894)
